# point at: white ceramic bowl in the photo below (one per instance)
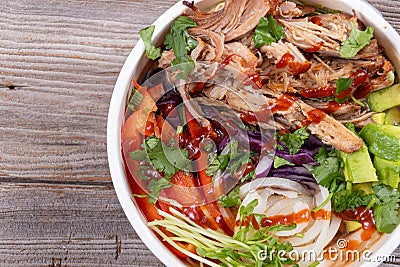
(135, 65)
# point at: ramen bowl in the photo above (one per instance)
(137, 64)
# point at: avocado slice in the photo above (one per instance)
(365, 187)
(379, 118)
(352, 226)
(388, 171)
(392, 116)
(382, 140)
(384, 99)
(358, 167)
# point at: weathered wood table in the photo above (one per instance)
(59, 61)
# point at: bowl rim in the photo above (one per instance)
(135, 62)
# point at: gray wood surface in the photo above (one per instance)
(59, 61)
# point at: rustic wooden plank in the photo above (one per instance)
(53, 225)
(58, 64)
(390, 10)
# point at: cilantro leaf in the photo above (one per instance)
(168, 159)
(155, 186)
(322, 154)
(268, 31)
(179, 41)
(327, 173)
(295, 140)
(234, 160)
(386, 217)
(278, 162)
(386, 208)
(151, 51)
(248, 210)
(135, 99)
(217, 162)
(385, 194)
(342, 84)
(139, 155)
(232, 199)
(356, 41)
(350, 200)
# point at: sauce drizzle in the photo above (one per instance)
(283, 103)
(365, 217)
(302, 216)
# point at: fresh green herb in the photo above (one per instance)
(191, 42)
(295, 140)
(351, 127)
(245, 211)
(179, 41)
(325, 10)
(386, 217)
(342, 84)
(166, 159)
(232, 199)
(386, 208)
(235, 161)
(134, 100)
(346, 199)
(217, 162)
(155, 186)
(327, 173)
(278, 162)
(385, 193)
(299, 235)
(314, 264)
(249, 176)
(268, 31)
(140, 174)
(356, 41)
(341, 100)
(151, 51)
(323, 204)
(249, 247)
(358, 102)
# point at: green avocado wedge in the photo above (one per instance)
(383, 140)
(384, 99)
(358, 167)
(388, 171)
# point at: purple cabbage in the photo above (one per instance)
(171, 97)
(302, 157)
(222, 144)
(312, 145)
(298, 174)
(306, 153)
(255, 140)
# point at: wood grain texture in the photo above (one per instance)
(59, 61)
(53, 225)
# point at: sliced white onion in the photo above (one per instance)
(309, 235)
(328, 229)
(280, 196)
(261, 195)
(272, 182)
(288, 206)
